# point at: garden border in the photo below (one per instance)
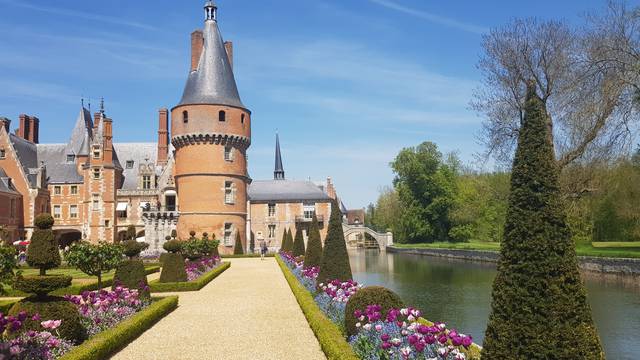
(331, 339)
(249, 256)
(157, 287)
(108, 342)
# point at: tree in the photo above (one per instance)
(7, 265)
(387, 208)
(298, 243)
(335, 259)
(538, 293)
(94, 259)
(252, 243)
(131, 233)
(42, 252)
(237, 248)
(313, 255)
(283, 242)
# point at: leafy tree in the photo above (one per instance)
(313, 255)
(298, 243)
(42, 252)
(94, 259)
(335, 259)
(387, 208)
(7, 265)
(238, 249)
(538, 293)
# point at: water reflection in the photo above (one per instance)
(459, 293)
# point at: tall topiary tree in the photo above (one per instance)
(252, 243)
(130, 273)
(131, 233)
(237, 248)
(539, 308)
(298, 243)
(173, 267)
(42, 252)
(313, 255)
(335, 259)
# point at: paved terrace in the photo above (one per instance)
(248, 312)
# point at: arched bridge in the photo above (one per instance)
(356, 237)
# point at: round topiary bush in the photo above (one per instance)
(43, 253)
(41, 285)
(52, 308)
(192, 234)
(44, 221)
(132, 248)
(173, 246)
(131, 274)
(173, 269)
(370, 295)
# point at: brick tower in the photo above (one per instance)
(211, 131)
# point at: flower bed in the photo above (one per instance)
(195, 285)
(196, 268)
(403, 334)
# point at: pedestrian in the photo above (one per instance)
(263, 249)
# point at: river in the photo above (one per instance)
(458, 293)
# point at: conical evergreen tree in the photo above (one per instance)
(298, 243)
(237, 248)
(313, 256)
(283, 242)
(289, 241)
(539, 308)
(335, 259)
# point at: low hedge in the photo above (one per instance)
(108, 342)
(157, 287)
(332, 341)
(231, 256)
(6, 305)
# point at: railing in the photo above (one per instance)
(308, 219)
(152, 208)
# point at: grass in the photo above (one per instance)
(157, 287)
(488, 246)
(331, 339)
(108, 342)
(616, 244)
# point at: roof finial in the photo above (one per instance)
(210, 11)
(278, 173)
(102, 105)
(82, 101)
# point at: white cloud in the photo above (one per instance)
(14, 89)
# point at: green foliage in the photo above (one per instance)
(237, 248)
(131, 233)
(173, 268)
(157, 286)
(426, 187)
(133, 248)
(331, 339)
(313, 255)
(370, 295)
(42, 252)
(173, 246)
(298, 243)
(52, 308)
(538, 293)
(41, 285)
(107, 343)
(7, 265)
(252, 243)
(194, 248)
(174, 234)
(335, 259)
(94, 259)
(283, 242)
(132, 275)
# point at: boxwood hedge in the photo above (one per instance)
(195, 285)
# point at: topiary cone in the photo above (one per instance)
(335, 259)
(298, 243)
(313, 255)
(42, 252)
(237, 248)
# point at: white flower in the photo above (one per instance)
(358, 325)
(411, 318)
(367, 327)
(404, 312)
(405, 351)
(361, 318)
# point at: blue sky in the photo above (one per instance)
(347, 83)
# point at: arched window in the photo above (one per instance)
(222, 116)
(185, 117)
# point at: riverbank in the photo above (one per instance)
(605, 265)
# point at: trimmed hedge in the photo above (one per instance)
(332, 341)
(195, 285)
(5, 305)
(231, 256)
(52, 308)
(108, 342)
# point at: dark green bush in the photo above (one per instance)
(133, 248)
(370, 295)
(173, 246)
(313, 256)
(237, 248)
(195, 285)
(173, 268)
(163, 256)
(44, 221)
(131, 233)
(52, 308)
(252, 243)
(298, 243)
(192, 249)
(43, 253)
(335, 259)
(131, 274)
(41, 285)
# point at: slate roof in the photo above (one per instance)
(81, 134)
(138, 153)
(59, 171)
(285, 190)
(5, 183)
(213, 81)
(27, 154)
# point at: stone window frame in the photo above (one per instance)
(271, 209)
(227, 234)
(229, 192)
(3, 153)
(73, 214)
(228, 153)
(129, 164)
(71, 158)
(222, 116)
(57, 211)
(95, 202)
(57, 190)
(146, 182)
(97, 154)
(97, 174)
(73, 189)
(271, 231)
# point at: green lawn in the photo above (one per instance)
(76, 274)
(619, 250)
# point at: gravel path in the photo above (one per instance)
(248, 312)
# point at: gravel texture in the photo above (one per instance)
(248, 312)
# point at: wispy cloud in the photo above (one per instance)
(35, 90)
(436, 19)
(78, 14)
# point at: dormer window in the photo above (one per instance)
(71, 158)
(96, 152)
(185, 117)
(222, 116)
(3, 154)
(146, 182)
(129, 164)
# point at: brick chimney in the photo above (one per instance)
(29, 128)
(197, 45)
(163, 136)
(331, 190)
(107, 149)
(228, 46)
(96, 120)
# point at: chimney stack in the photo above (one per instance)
(107, 147)
(163, 136)
(228, 46)
(197, 45)
(331, 190)
(29, 128)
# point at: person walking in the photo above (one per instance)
(263, 249)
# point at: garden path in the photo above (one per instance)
(248, 312)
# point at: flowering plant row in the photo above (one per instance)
(197, 268)
(15, 343)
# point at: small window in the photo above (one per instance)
(272, 231)
(73, 211)
(242, 119)
(222, 116)
(146, 182)
(129, 164)
(309, 209)
(228, 231)
(57, 212)
(96, 202)
(185, 117)
(57, 190)
(228, 153)
(107, 223)
(96, 152)
(3, 154)
(229, 193)
(96, 173)
(74, 189)
(272, 209)
(71, 158)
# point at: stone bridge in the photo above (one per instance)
(355, 237)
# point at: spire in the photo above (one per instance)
(278, 173)
(81, 133)
(212, 81)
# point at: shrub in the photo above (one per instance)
(335, 259)
(237, 248)
(205, 236)
(195, 285)
(131, 233)
(174, 234)
(370, 295)
(283, 242)
(133, 248)
(192, 249)
(41, 285)
(313, 255)
(52, 308)
(298, 243)
(173, 246)
(43, 253)
(94, 259)
(7, 265)
(173, 268)
(252, 243)
(538, 293)
(132, 275)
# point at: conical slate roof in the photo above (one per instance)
(213, 81)
(278, 173)
(80, 133)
